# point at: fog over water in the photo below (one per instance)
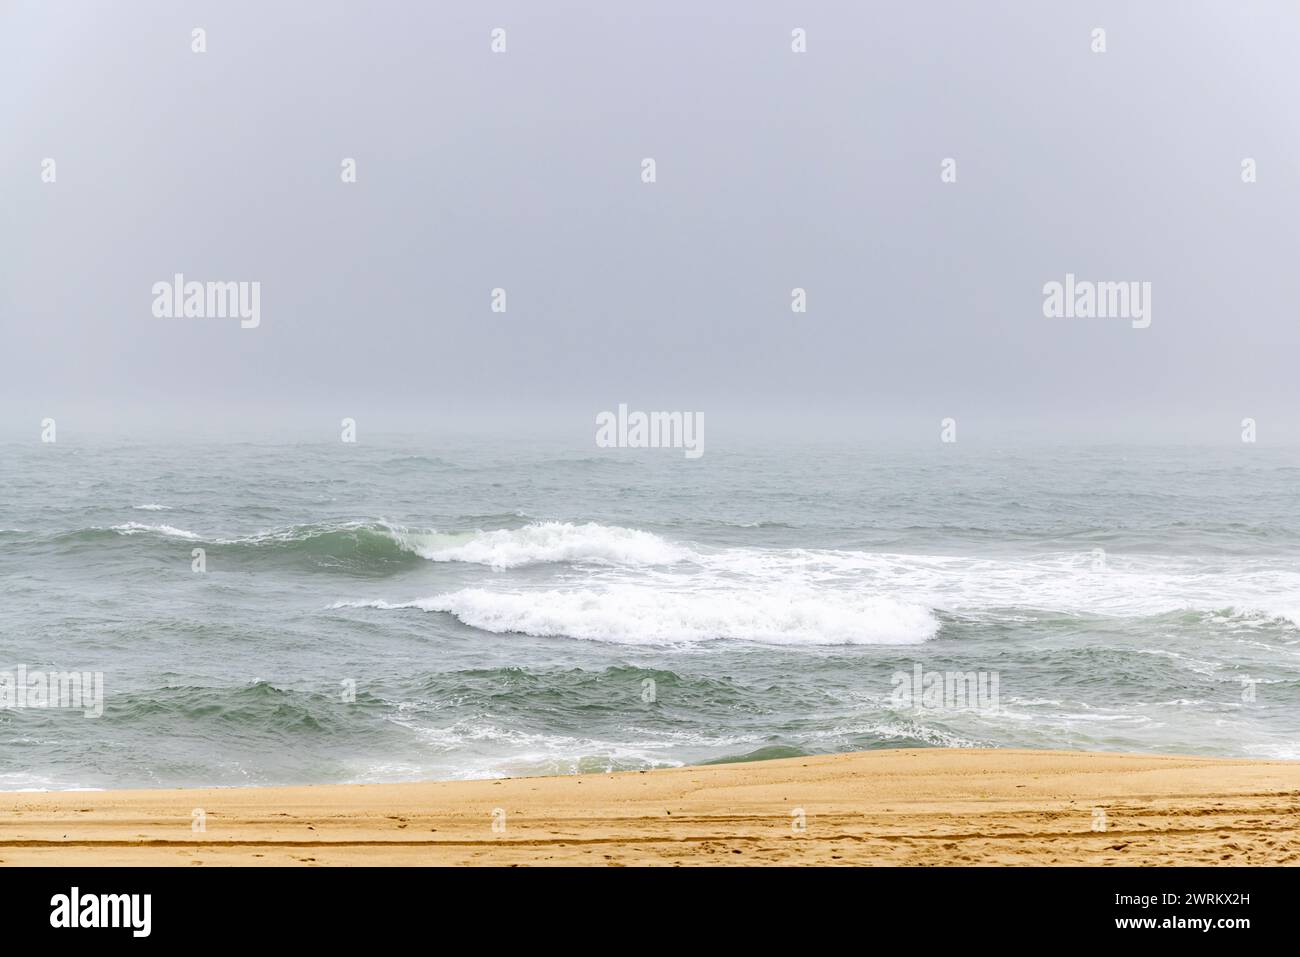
(775, 170)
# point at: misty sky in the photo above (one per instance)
(774, 170)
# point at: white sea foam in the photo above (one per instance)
(764, 593)
(483, 747)
(635, 587)
(543, 542)
(136, 528)
(639, 615)
(1062, 582)
(152, 507)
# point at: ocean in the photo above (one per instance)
(402, 608)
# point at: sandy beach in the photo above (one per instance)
(906, 807)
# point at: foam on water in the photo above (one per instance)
(137, 528)
(545, 542)
(631, 614)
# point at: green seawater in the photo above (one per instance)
(401, 609)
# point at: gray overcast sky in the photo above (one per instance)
(775, 170)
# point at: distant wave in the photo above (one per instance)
(641, 615)
(539, 542)
(354, 547)
(152, 507)
(420, 460)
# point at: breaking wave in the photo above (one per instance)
(547, 542)
(641, 615)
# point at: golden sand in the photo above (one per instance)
(929, 806)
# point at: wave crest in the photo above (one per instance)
(546, 542)
(640, 615)
(384, 543)
(138, 528)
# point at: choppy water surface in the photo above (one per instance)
(504, 608)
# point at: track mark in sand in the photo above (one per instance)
(558, 842)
